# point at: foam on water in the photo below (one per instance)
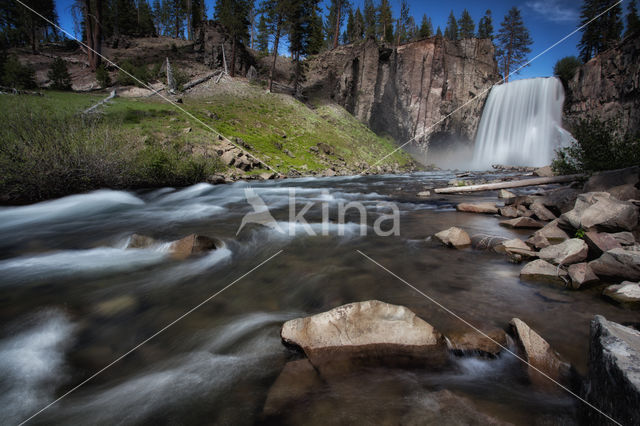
(32, 365)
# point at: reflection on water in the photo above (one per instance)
(63, 262)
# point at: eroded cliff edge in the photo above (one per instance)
(608, 87)
(407, 91)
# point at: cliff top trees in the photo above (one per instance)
(369, 19)
(485, 26)
(602, 33)
(426, 28)
(513, 43)
(451, 32)
(337, 12)
(467, 26)
(633, 22)
(385, 22)
(566, 68)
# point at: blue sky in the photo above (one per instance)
(548, 21)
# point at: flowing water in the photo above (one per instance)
(73, 299)
(521, 124)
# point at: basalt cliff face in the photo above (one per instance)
(608, 87)
(410, 90)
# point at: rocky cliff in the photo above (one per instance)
(608, 86)
(407, 91)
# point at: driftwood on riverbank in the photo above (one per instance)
(509, 184)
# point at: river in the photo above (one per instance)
(73, 299)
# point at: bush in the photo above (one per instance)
(128, 69)
(566, 68)
(103, 77)
(597, 146)
(16, 75)
(59, 75)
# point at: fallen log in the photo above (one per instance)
(509, 184)
(201, 80)
(105, 100)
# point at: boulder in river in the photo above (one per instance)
(540, 356)
(486, 241)
(571, 251)
(581, 275)
(454, 237)
(508, 211)
(366, 333)
(488, 208)
(472, 342)
(541, 212)
(603, 181)
(552, 233)
(538, 242)
(619, 263)
(541, 270)
(522, 222)
(614, 372)
(599, 242)
(598, 211)
(505, 194)
(624, 238)
(192, 244)
(137, 241)
(545, 171)
(626, 294)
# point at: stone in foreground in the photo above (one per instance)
(619, 263)
(552, 233)
(541, 212)
(571, 251)
(454, 237)
(626, 294)
(366, 333)
(599, 242)
(192, 244)
(488, 208)
(522, 222)
(473, 342)
(581, 275)
(540, 356)
(541, 270)
(614, 372)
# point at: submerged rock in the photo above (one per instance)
(366, 333)
(539, 354)
(454, 237)
(618, 263)
(614, 372)
(488, 208)
(486, 241)
(571, 251)
(297, 379)
(137, 241)
(541, 270)
(627, 293)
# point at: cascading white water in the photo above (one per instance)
(521, 124)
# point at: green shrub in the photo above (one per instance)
(597, 146)
(132, 75)
(59, 75)
(566, 68)
(103, 77)
(16, 75)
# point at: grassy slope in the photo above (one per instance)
(149, 135)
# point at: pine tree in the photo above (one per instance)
(21, 27)
(426, 28)
(262, 40)
(467, 26)
(234, 17)
(485, 26)
(59, 75)
(438, 32)
(602, 33)
(633, 22)
(385, 22)
(402, 27)
(412, 29)
(316, 37)
(370, 22)
(275, 14)
(337, 12)
(451, 32)
(513, 43)
(359, 25)
(349, 35)
(299, 22)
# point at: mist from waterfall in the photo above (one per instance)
(521, 124)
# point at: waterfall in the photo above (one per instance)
(521, 124)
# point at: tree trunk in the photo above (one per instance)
(509, 184)
(189, 20)
(275, 56)
(88, 26)
(233, 57)
(97, 35)
(337, 33)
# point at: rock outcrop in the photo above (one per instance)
(614, 372)
(608, 86)
(404, 91)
